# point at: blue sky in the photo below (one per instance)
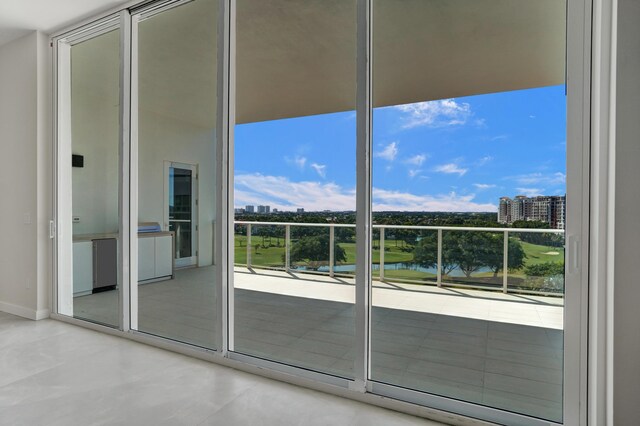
(449, 155)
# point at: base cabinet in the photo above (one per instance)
(155, 257)
(146, 259)
(82, 268)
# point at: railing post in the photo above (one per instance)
(287, 247)
(332, 238)
(505, 263)
(381, 254)
(439, 272)
(248, 245)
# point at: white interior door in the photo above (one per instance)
(181, 210)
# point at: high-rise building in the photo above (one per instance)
(544, 208)
(300, 210)
(503, 210)
(249, 209)
(264, 209)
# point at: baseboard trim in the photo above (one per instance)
(42, 314)
(23, 312)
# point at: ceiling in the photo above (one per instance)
(298, 57)
(20, 17)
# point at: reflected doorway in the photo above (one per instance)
(181, 210)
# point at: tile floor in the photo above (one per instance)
(52, 373)
(503, 351)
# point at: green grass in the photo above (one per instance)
(537, 254)
(273, 257)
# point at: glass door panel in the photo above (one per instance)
(89, 178)
(176, 142)
(469, 125)
(295, 145)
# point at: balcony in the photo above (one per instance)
(471, 338)
(444, 259)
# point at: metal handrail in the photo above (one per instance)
(339, 225)
(444, 228)
(382, 228)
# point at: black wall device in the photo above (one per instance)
(77, 160)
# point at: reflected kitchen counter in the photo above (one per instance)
(90, 237)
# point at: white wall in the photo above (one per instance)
(163, 139)
(95, 133)
(626, 374)
(24, 135)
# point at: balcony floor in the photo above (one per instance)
(537, 311)
(489, 348)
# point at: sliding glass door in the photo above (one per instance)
(294, 184)
(213, 156)
(175, 95)
(89, 178)
(469, 196)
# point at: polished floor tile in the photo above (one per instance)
(52, 373)
(448, 353)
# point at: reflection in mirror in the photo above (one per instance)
(177, 89)
(95, 136)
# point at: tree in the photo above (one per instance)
(345, 235)
(547, 276)
(473, 251)
(538, 238)
(547, 269)
(495, 254)
(314, 250)
(468, 251)
(425, 252)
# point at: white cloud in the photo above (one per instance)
(484, 185)
(389, 152)
(557, 178)
(414, 172)
(484, 160)
(416, 160)
(446, 112)
(385, 200)
(298, 161)
(451, 168)
(283, 194)
(321, 169)
(529, 192)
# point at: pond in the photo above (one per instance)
(351, 268)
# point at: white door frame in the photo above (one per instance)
(193, 259)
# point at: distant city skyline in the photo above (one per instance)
(453, 155)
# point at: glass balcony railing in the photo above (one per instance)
(511, 260)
